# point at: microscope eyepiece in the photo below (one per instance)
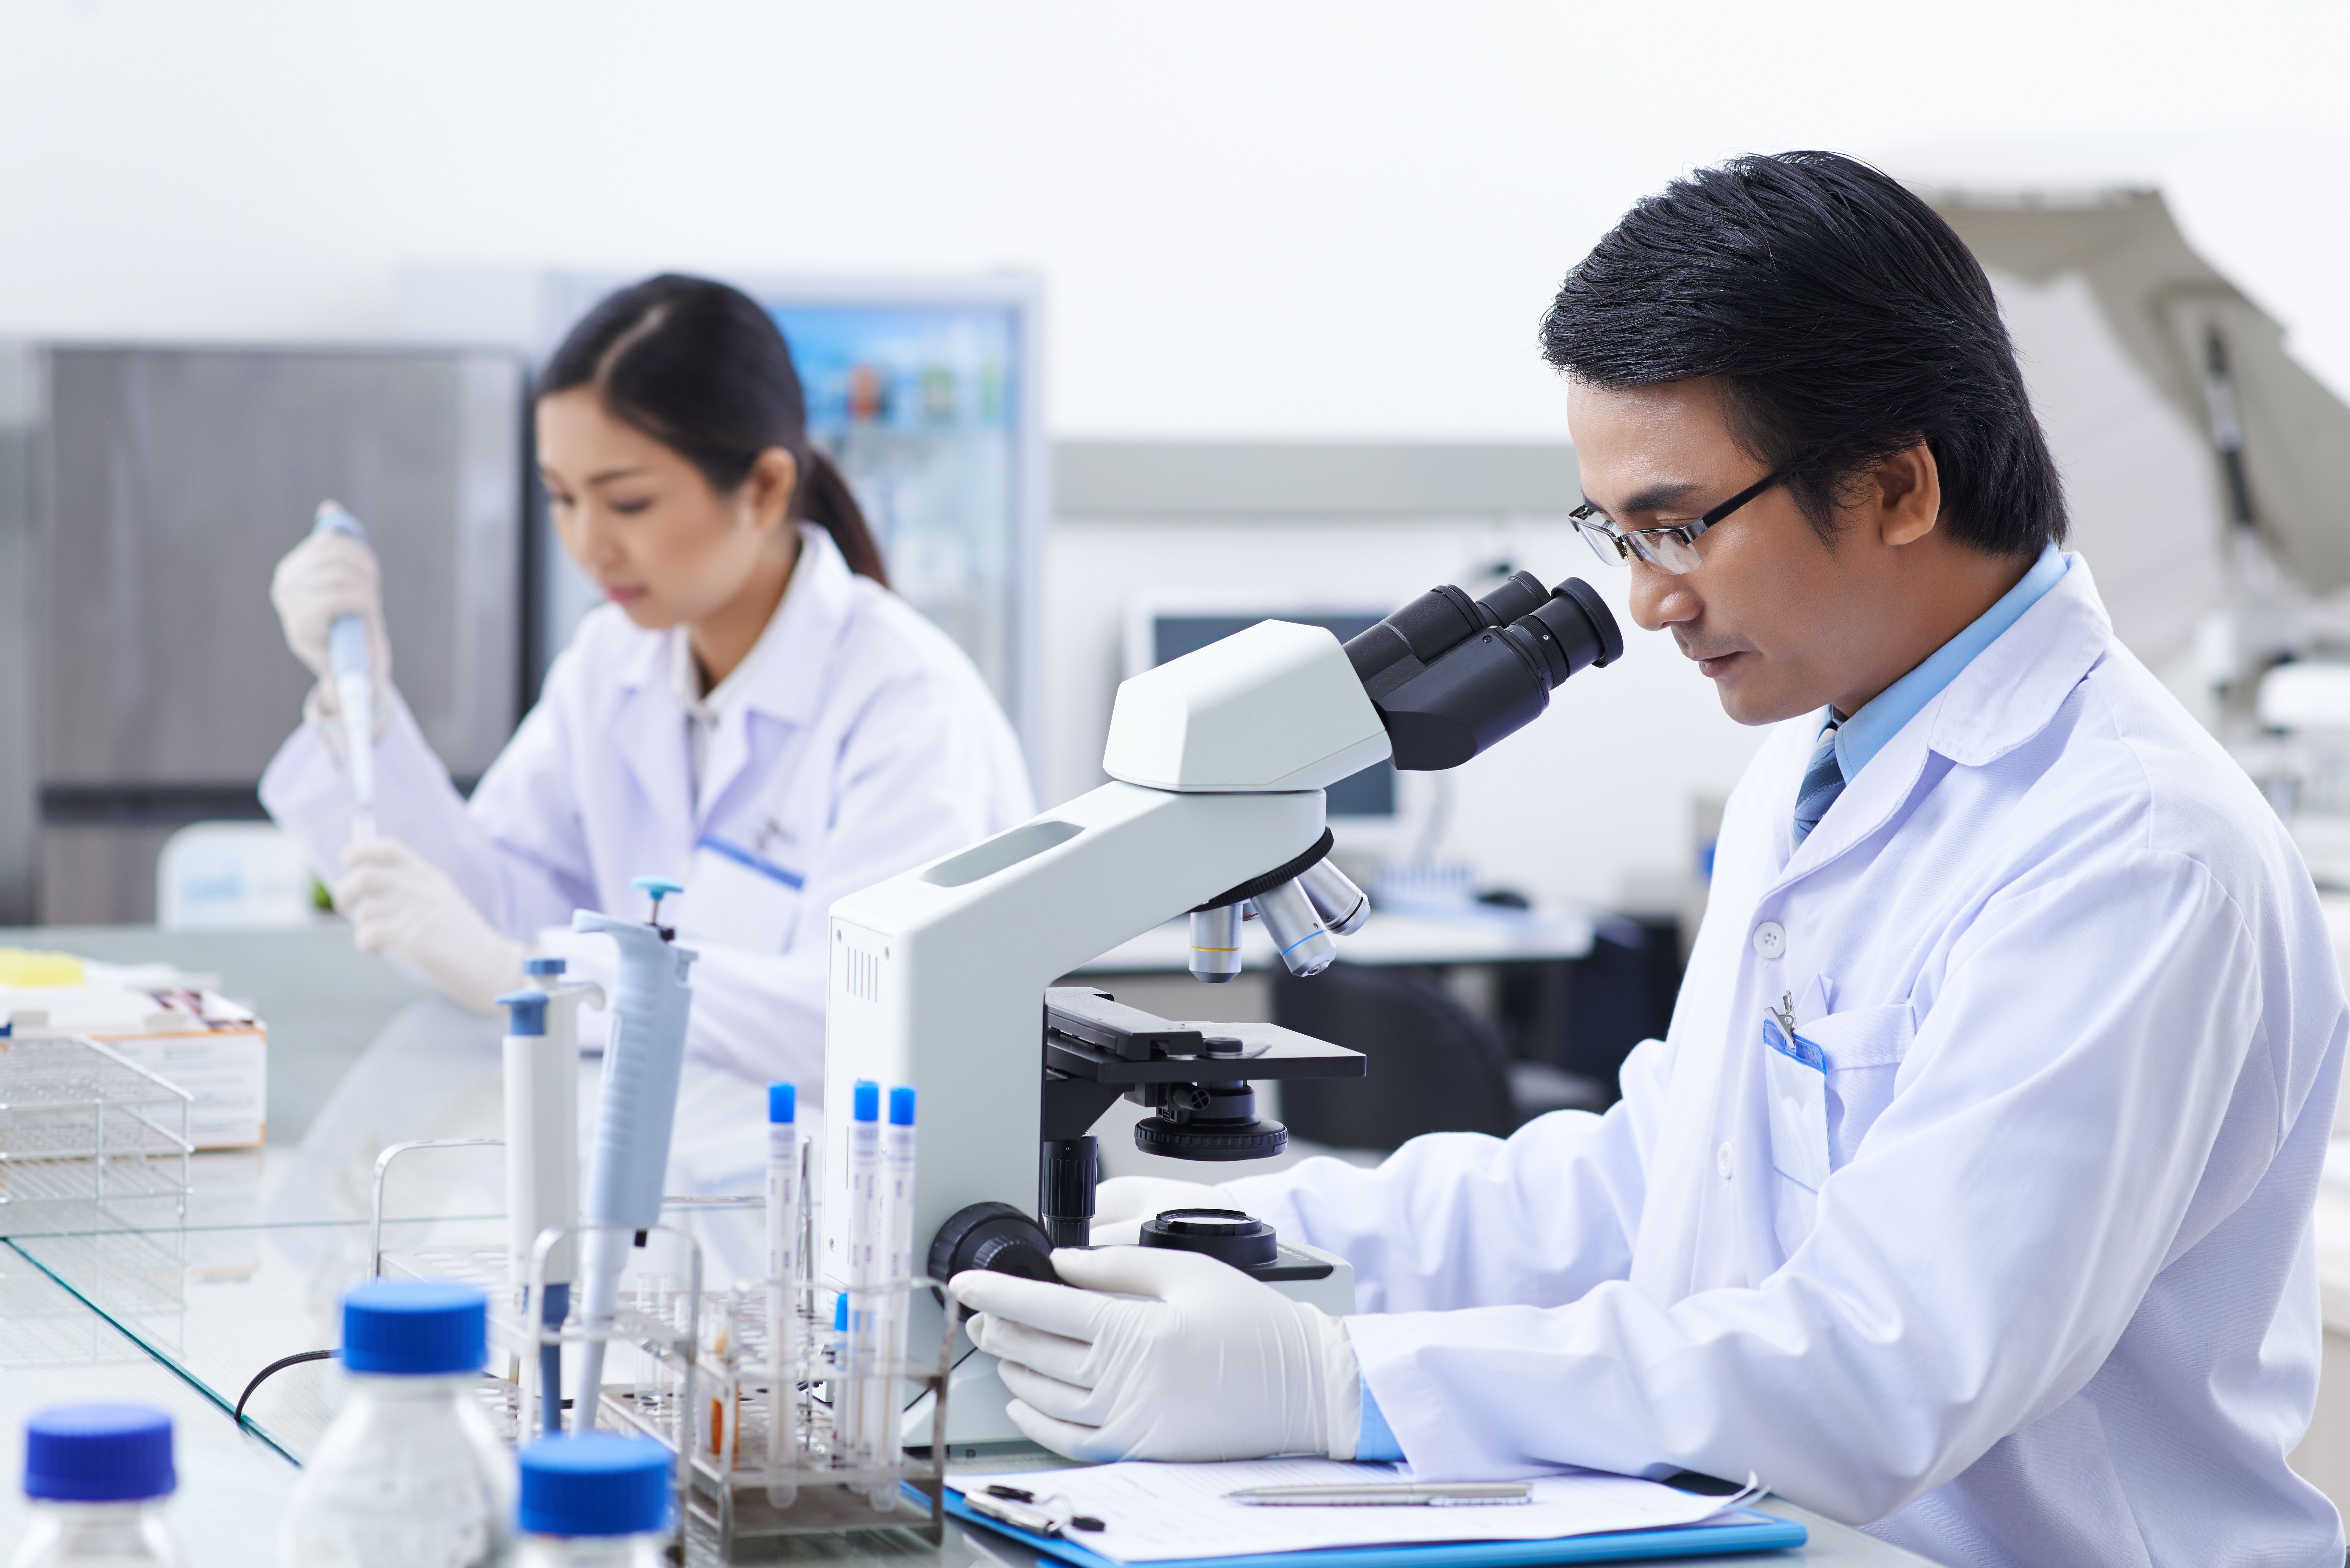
(1495, 683)
(1396, 649)
(1518, 597)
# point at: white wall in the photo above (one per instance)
(1318, 217)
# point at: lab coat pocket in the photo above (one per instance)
(738, 900)
(1795, 1074)
(1862, 1049)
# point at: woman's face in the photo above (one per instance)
(644, 523)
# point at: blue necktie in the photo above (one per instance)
(1822, 782)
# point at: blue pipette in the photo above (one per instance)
(346, 656)
(633, 1110)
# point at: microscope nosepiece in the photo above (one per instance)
(1216, 943)
(1304, 943)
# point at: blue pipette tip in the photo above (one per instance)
(840, 1312)
(867, 1104)
(542, 966)
(901, 1106)
(783, 1102)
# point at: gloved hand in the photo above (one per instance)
(1212, 1365)
(399, 902)
(1123, 1203)
(327, 576)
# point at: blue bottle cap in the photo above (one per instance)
(597, 1484)
(868, 1101)
(542, 966)
(99, 1453)
(783, 1102)
(901, 1106)
(415, 1328)
(840, 1312)
(528, 1012)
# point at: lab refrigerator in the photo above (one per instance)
(146, 492)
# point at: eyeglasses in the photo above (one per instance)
(1672, 549)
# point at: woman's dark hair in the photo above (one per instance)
(700, 368)
(1847, 323)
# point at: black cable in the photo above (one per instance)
(279, 1366)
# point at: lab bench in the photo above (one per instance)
(127, 1303)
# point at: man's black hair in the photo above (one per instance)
(1848, 322)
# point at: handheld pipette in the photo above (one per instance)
(782, 1279)
(634, 1110)
(346, 656)
(542, 1092)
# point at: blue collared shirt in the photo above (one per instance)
(1880, 719)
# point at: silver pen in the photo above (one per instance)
(1409, 1494)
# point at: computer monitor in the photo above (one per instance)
(1156, 633)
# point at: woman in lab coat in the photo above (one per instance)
(1968, 1197)
(753, 713)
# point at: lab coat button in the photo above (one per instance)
(1770, 938)
(1722, 1161)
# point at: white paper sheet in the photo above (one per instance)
(1156, 1513)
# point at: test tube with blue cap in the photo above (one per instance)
(897, 1270)
(784, 1413)
(856, 1434)
(346, 656)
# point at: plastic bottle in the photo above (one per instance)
(409, 1475)
(598, 1500)
(97, 1477)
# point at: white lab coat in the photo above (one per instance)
(2056, 1300)
(861, 742)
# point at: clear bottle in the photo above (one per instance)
(97, 1476)
(410, 1474)
(598, 1500)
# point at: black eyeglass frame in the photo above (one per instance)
(1687, 533)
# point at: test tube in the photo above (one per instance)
(865, 1222)
(783, 1288)
(897, 1268)
(839, 1380)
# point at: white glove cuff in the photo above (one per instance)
(1342, 1381)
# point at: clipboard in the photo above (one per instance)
(1745, 1530)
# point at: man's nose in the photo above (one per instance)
(1661, 599)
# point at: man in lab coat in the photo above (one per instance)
(1969, 1196)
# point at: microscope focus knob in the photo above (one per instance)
(993, 1236)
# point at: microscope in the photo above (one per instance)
(942, 977)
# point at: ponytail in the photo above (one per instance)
(824, 499)
(703, 370)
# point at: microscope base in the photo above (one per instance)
(976, 1395)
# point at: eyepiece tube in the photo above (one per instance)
(1306, 946)
(1496, 682)
(1519, 595)
(1413, 638)
(1216, 943)
(1342, 905)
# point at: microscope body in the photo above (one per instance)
(938, 976)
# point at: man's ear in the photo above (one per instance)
(1908, 495)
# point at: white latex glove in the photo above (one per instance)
(1212, 1365)
(1123, 1203)
(327, 576)
(399, 902)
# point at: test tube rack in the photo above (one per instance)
(702, 1385)
(81, 1122)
